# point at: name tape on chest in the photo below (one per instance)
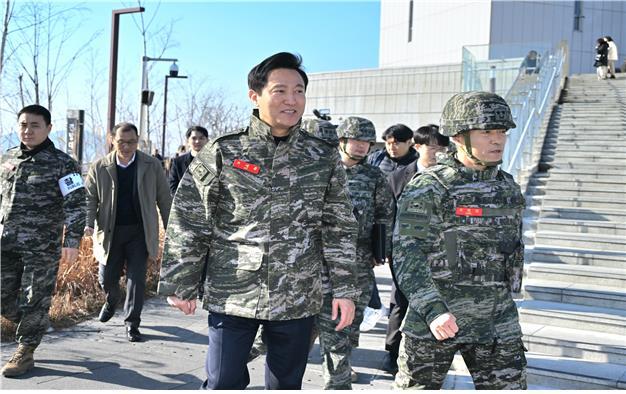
(249, 167)
(484, 212)
(69, 183)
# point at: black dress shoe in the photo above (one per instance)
(133, 334)
(106, 313)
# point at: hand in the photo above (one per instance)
(88, 231)
(346, 308)
(69, 254)
(187, 306)
(444, 326)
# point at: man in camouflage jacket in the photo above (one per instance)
(270, 205)
(42, 191)
(373, 204)
(458, 255)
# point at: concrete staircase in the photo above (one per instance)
(574, 309)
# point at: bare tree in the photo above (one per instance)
(201, 105)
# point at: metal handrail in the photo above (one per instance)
(527, 114)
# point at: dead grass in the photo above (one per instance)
(77, 294)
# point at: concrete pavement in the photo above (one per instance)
(97, 356)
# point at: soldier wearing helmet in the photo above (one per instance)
(373, 204)
(322, 129)
(458, 255)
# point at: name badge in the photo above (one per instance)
(249, 167)
(69, 183)
(469, 211)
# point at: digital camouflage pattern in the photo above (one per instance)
(357, 128)
(448, 261)
(269, 215)
(373, 203)
(34, 211)
(321, 129)
(475, 111)
(458, 248)
(499, 367)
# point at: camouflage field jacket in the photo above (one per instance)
(41, 193)
(269, 216)
(458, 248)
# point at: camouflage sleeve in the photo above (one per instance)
(189, 228)
(339, 234)
(384, 204)
(164, 198)
(73, 204)
(418, 226)
(515, 261)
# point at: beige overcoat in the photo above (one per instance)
(101, 185)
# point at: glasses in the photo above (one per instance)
(127, 143)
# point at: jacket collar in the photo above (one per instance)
(262, 130)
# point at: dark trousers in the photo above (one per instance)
(128, 245)
(230, 341)
(375, 298)
(397, 310)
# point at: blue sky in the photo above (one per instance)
(219, 41)
(216, 42)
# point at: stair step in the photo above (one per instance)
(574, 374)
(583, 175)
(582, 227)
(612, 215)
(591, 275)
(580, 164)
(585, 202)
(544, 178)
(581, 317)
(574, 293)
(569, 342)
(577, 256)
(616, 243)
(564, 191)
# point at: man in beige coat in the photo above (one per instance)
(124, 189)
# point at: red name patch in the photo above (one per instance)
(469, 211)
(242, 165)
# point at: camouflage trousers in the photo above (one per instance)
(493, 366)
(336, 346)
(27, 277)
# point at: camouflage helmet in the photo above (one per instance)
(475, 111)
(357, 128)
(322, 129)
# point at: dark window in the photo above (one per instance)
(578, 15)
(410, 20)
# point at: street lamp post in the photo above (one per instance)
(146, 99)
(173, 74)
(115, 29)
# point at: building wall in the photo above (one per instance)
(410, 95)
(435, 23)
(523, 23)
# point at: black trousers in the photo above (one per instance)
(375, 302)
(128, 245)
(230, 341)
(397, 310)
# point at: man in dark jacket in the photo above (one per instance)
(197, 137)
(398, 150)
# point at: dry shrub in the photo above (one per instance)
(77, 293)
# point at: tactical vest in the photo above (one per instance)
(482, 224)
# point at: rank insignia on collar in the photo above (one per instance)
(242, 165)
(468, 211)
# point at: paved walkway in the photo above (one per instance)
(97, 356)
